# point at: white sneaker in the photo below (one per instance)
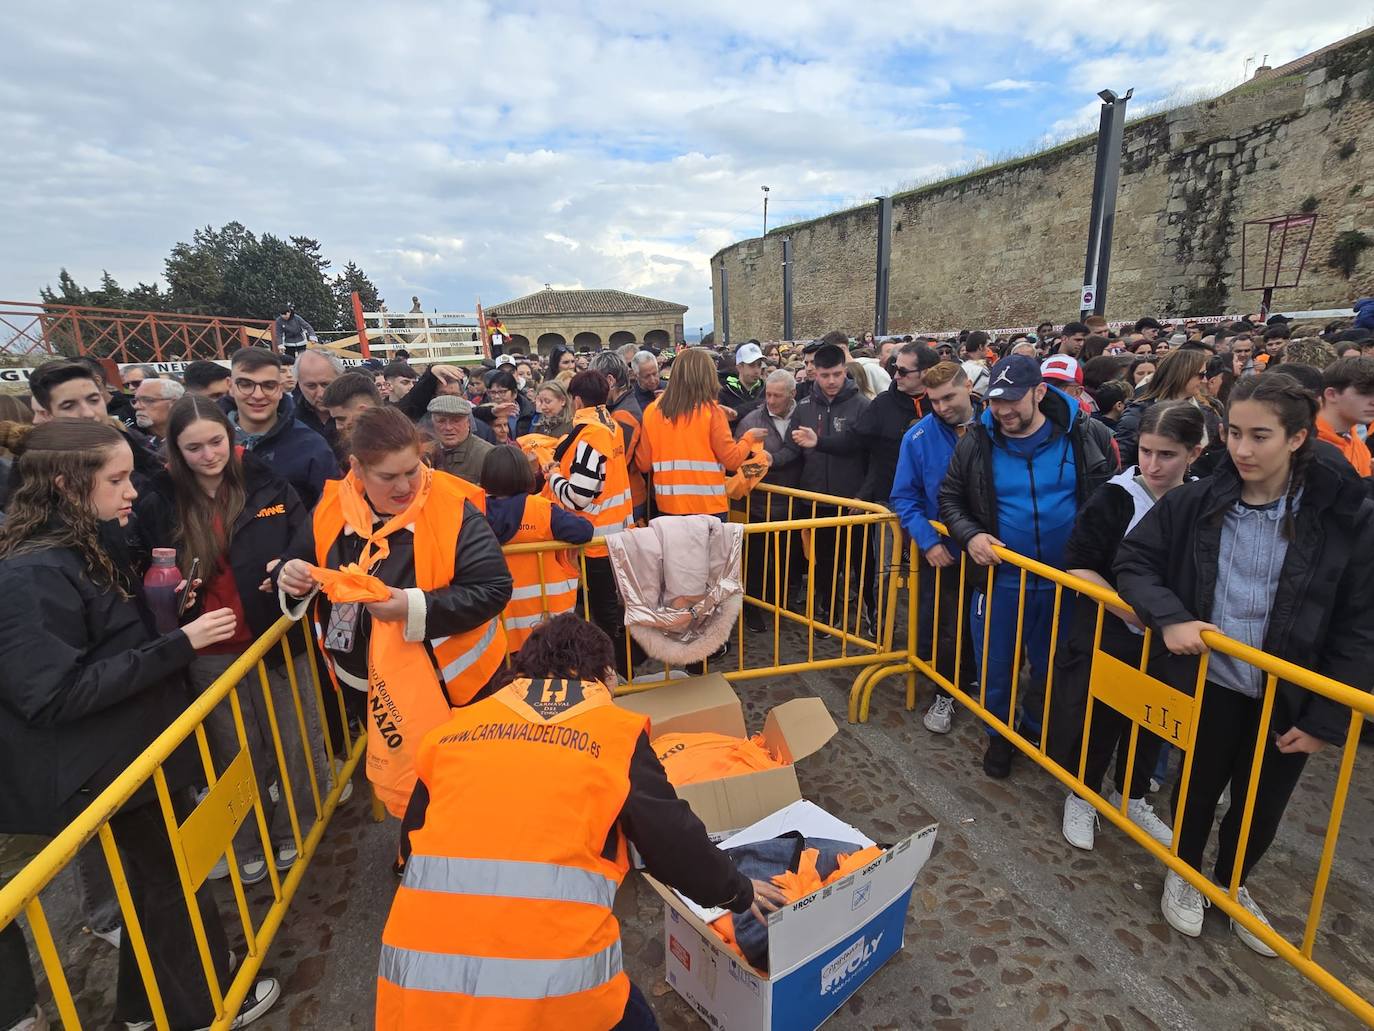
(37, 1022)
(1080, 823)
(110, 937)
(1243, 896)
(1143, 815)
(249, 873)
(286, 856)
(940, 715)
(1183, 905)
(262, 998)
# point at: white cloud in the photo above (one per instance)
(465, 149)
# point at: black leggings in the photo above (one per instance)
(1226, 731)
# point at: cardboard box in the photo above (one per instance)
(792, 730)
(820, 948)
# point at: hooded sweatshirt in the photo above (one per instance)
(1037, 493)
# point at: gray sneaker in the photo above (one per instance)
(940, 715)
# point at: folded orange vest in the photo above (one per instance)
(692, 758)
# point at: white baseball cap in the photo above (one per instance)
(505, 359)
(748, 354)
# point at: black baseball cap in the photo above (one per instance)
(1012, 377)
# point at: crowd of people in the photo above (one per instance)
(1216, 475)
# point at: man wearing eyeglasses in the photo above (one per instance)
(153, 400)
(264, 419)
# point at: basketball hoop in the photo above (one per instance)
(1273, 252)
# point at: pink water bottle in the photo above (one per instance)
(160, 589)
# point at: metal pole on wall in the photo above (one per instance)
(724, 306)
(884, 267)
(1106, 181)
(787, 288)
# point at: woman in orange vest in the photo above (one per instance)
(588, 474)
(545, 581)
(515, 842)
(685, 441)
(435, 639)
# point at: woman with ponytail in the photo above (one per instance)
(86, 684)
(224, 510)
(1276, 550)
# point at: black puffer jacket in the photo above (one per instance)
(968, 499)
(272, 516)
(1166, 569)
(85, 687)
(881, 427)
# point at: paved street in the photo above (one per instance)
(1009, 927)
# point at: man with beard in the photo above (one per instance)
(1017, 481)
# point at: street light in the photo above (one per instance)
(765, 210)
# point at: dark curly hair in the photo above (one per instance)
(49, 506)
(566, 646)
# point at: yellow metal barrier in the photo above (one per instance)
(207, 832)
(1152, 706)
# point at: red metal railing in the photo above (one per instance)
(43, 330)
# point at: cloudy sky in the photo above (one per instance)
(463, 149)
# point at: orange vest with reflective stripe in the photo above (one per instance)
(613, 509)
(688, 480)
(537, 597)
(503, 920)
(639, 492)
(466, 661)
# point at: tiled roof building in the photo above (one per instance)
(587, 320)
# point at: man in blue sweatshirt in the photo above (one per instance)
(1016, 481)
(922, 462)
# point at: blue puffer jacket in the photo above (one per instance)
(1364, 313)
(921, 466)
(293, 451)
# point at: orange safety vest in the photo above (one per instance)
(688, 479)
(503, 920)
(639, 491)
(464, 662)
(537, 598)
(613, 509)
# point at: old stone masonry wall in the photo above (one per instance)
(1004, 246)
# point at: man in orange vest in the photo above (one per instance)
(589, 476)
(515, 842)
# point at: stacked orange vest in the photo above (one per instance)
(465, 661)
(537, 597)
(688, 479)
(613, 510)
(503, 919)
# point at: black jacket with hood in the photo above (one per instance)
(836, 464)
(86, 684)
(1167, 567)
(881, 428)
(293, 451)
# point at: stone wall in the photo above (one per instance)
(1004, 246)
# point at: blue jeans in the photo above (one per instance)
(1035, 642)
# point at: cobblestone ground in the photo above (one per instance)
(1009, 927)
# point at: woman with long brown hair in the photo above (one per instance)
(227, 514)
(86, 684)
(685, 441)
(1179, 376)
